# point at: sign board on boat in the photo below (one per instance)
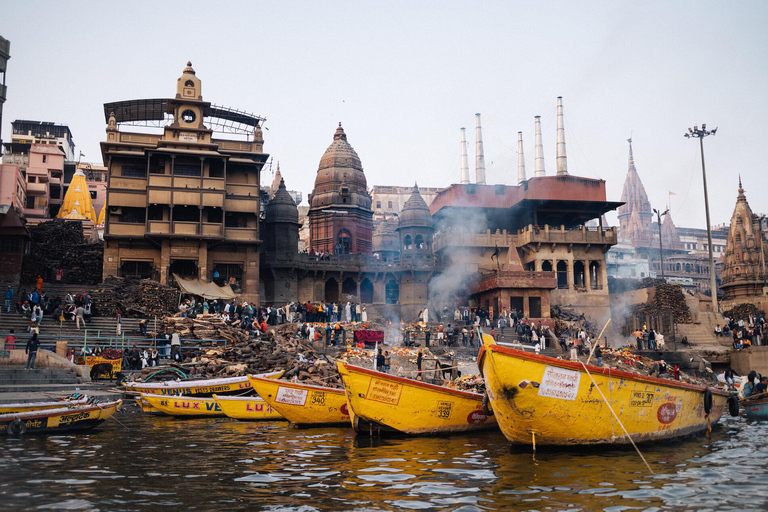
(560, 383)
(291, 396)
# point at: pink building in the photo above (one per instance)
(45, 182)
(13, 187)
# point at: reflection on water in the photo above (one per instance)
(218, 464)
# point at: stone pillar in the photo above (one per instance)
(571, 277)
(537, 265)
(202, 260)
(604, 276)
(587, 276)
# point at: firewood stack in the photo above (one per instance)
(743, 312)
(133, 297)
(568, 322)
(269, 353)
(667, 297)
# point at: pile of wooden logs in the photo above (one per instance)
(268, 353)
(667, 297)
(133, 297)
(569, 323)
(744, 312)
(204, 328)
(59, 244)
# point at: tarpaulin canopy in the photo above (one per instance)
(203, 289)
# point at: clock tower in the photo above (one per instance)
(188, 110)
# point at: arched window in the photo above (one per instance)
(419, 242)
(562, 275)
(392, 292)
(407, 243)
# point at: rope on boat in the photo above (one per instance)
(113, 416)
(597, 341)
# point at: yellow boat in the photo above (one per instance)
(199, 388)
(385, 403)
(40, 406)
(303, 404)
(251, 408)
(540, 400)
(79, 417)
(184, 405)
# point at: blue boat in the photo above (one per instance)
(757, 409)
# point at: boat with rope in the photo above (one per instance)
(69, 401)
(198, 388)
(381, 403)
(541, 400)
(304, 405)
(79, 417)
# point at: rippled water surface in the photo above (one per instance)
(152, 463)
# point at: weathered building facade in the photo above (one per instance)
(183, 202)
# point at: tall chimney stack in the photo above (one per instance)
(520, 159)
(539, 148)
(464, 162)
(479, 156)
(562, 164)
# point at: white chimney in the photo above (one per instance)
(562, 165)
(464, 162)
(539, 148)
(520, 159)
(479, 156)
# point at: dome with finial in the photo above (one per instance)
(340, 180)
(189, 69)
(385, 238)
(415, 212)
(282, 207)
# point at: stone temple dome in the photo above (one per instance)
(282, 207)
(415, 212)
(340, 179)
(385, 238)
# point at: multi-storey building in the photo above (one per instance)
(183, 201)
(26, 133)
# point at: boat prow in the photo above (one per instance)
(383, 403)
(304, 405)
(543, 400)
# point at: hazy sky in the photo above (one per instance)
(404, 77)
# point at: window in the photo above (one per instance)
(93, 194)
(134, 171)
(132, 215)
(45, 158)
(235, 220)
(186, 170)
(378, 204)
(155, 212)
(186, 214)
(389, 204)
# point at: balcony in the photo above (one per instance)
(127, 199)
(120, 182)
(214, 184)
(213, 229)
(125, 229)
(37, 189)
(186, 228)
(186, 182)
(159, 227)
(159, 180)
(35, 212)
(249, 205)
(242, 189)
(461, 238)
(581, 235)
(242, 234)
(516, 279)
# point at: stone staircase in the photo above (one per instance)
(50, 329)
(702, 333)
(18, 380)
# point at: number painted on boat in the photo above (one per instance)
(384, 391)
(444, 410)
(291, 396)
(641, 399)
(318, 398)
(559, 383)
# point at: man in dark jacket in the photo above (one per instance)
(32, 344)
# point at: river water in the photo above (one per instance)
(159, 463)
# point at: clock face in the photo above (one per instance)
(188, 116)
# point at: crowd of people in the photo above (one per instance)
(745, 333)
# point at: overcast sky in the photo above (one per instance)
(404, 77)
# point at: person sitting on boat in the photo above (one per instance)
(761, 387)
(749, 388)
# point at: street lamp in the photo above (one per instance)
(697, 133)
(661, 249)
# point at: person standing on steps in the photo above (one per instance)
(31, 350)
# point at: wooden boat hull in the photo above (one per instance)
(386, 403)
(79, 417)
(199, 388)
(556, 401)
(302, 404)
(186, 406)
(41, 406)
(249, 408)
(757, 409)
